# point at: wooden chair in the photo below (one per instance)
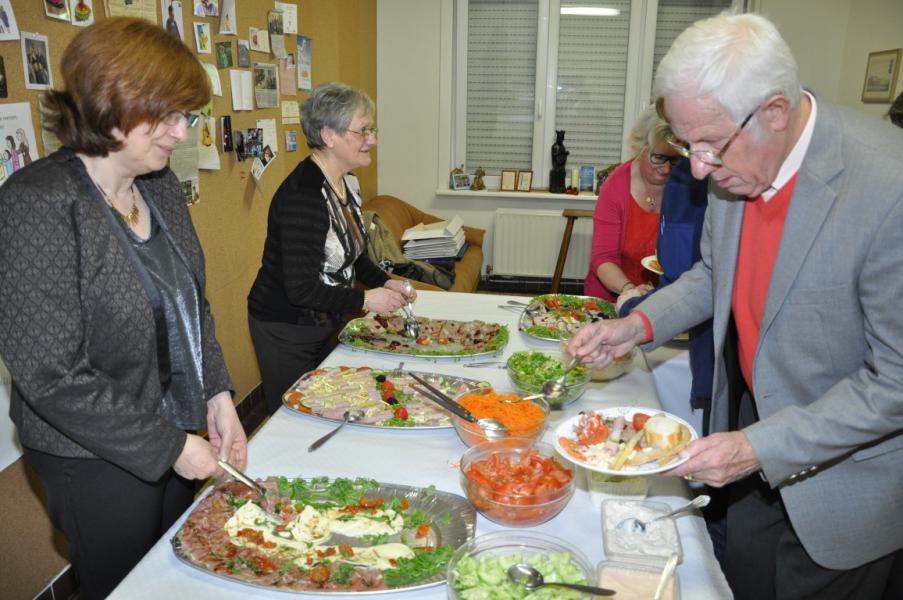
(571, 214)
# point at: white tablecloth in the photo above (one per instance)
(428, 457)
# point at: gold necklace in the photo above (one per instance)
(340, 195)
(134, 215)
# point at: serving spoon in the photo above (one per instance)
(556, 387)
(667, 572)
(349, 416)
(241, 477)
(531, 579)
(411, 325)
(634, 525)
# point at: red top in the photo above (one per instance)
(623, 233)
(760, 239)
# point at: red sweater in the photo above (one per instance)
(760, 239)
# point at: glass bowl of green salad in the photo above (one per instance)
(529, 370)
(482, 565)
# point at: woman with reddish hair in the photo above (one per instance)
(110, 339)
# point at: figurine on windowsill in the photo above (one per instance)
(478, 184)
(559, 159)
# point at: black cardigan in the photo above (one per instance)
(288, 288)
(78, 330)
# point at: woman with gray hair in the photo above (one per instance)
(625, 222)
(316, 246)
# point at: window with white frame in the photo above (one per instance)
(525, 68)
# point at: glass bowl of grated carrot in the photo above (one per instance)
(522, 418)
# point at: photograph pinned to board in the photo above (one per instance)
(172, 12)
(239, 145)
(9, 30)
(4, 89)
(223, 55)
(304, 82)
(36, 58)
(17, 142)
(208, 157)
(287, 76)
(266, 85)
(227, 19)
(260, 39)
(291, 141)
(184, 163)
(243, 50)
(202, 38)
(82, 12)
(253, 146)
(225, 124)
(57, 9)
(289, 17)
(141, 9)
(267, 156)
(206, 8)
(274, 22)
(277, 45)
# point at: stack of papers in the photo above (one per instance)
(444, 239)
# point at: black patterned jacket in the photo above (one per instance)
(77, 330)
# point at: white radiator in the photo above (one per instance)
(526, 242)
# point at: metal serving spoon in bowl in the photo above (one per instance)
(556, 387)
(531, 579)
(634, 525)
(350, 416)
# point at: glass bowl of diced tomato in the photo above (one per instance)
(522, 418)
(517, 482)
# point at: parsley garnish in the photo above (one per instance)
(375, 539)
(343, 574)
(425, 564)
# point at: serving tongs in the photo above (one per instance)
(492, 427)
(242, 478)
(411, 325)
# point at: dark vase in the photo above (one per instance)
(559, 159)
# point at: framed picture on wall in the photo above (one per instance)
(881, 72)
(508, 180)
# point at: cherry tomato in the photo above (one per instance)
(370, 502)
(401, 413)
(595, 432)
(552, 302)
(639, 420)
(423, 340)
(404, 505)
(293, 399)
(387, 386)
(423, 530)
(591, 305)
(443, 341)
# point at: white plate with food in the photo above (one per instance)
(605, 440)
(651, 263)
(439, 338)
(342, 537)
(549, 316)
(386, 398)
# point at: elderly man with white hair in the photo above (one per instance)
(802, 273)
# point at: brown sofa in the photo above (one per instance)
(398, 216)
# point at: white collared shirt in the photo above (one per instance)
(794, 160)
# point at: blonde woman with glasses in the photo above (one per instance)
(625, 223)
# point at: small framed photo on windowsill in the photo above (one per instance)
(508, 180)
(524, 181)
(460, 181)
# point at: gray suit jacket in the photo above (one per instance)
(77, 329)
(828, 372)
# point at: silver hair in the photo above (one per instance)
(648, 129)
(738, 60)
(332, 105)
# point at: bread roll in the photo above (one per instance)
(662, 432)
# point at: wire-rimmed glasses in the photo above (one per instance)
(712, 157)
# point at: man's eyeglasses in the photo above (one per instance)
(176, 118)
(365, 132)
(711, 157)
(660, 159)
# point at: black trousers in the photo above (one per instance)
(765, 560)
(286, 351)
(109, 517)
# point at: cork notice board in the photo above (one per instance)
(231, 215)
